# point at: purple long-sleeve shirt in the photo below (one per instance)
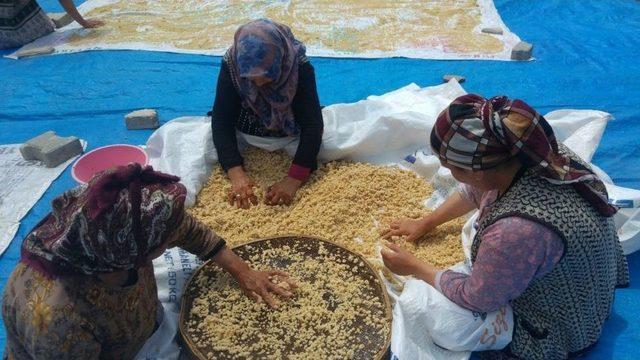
(514, 252)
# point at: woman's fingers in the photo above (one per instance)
(392, 230)
(390, 253)
(278, 273)
(268, 298)
(268, 198)
(413, 237)
(247, 197)
(252, 295)
(248, 193)
(278, 290)
(391, 233)
(242, 196)
(243, 202)
(235, 199)
(285, 277)
(256, 297)
(387, 257)
(392, 246)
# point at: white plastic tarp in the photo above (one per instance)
(25, 181)
(389, 129)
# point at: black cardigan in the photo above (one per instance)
(228, 110)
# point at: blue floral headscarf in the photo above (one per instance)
(264, 48)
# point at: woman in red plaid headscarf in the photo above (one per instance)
(84, 287)
(545, 240)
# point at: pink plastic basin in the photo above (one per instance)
(106, 157)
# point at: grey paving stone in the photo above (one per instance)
(448, 77)
(492, 30)
(51, 149)
(142, 119)
(60, 19)
(522, 51)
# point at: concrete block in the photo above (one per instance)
(492, 30)
(142, 119)
(40, 50)
(60, 19)
(51, 149)
(522, 51)
(448, 77)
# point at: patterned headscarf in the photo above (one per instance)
(264, 48)
(476, 134)
(111, 224)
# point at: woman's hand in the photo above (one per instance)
(402, 262)
(399, 260)
(413, 229)
(455, 206)
(257, 285)
(241, 194)
(92, 23)
(283, 191)
(72, 10)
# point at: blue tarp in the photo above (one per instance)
(586, 58)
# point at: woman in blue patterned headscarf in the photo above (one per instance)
(265, 57)
(266, 88)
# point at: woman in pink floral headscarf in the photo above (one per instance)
(84, 287)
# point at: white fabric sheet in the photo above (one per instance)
(170, 26)
(24, 182)
(388, 129)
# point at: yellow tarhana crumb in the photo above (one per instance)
(345, 202)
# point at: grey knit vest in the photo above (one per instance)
(561, 313)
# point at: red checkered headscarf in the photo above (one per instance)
(475, 133)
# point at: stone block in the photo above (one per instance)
(51, 149)
(40, 50)
(522, 51)
(458, 78)
(60, 19)
(142, 119)
(492, 30)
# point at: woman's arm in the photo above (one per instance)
(306, 109)
(225, 113)
(308, 115)
(514, 252)
(455, 206)
(196, 238)
(200, 240)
